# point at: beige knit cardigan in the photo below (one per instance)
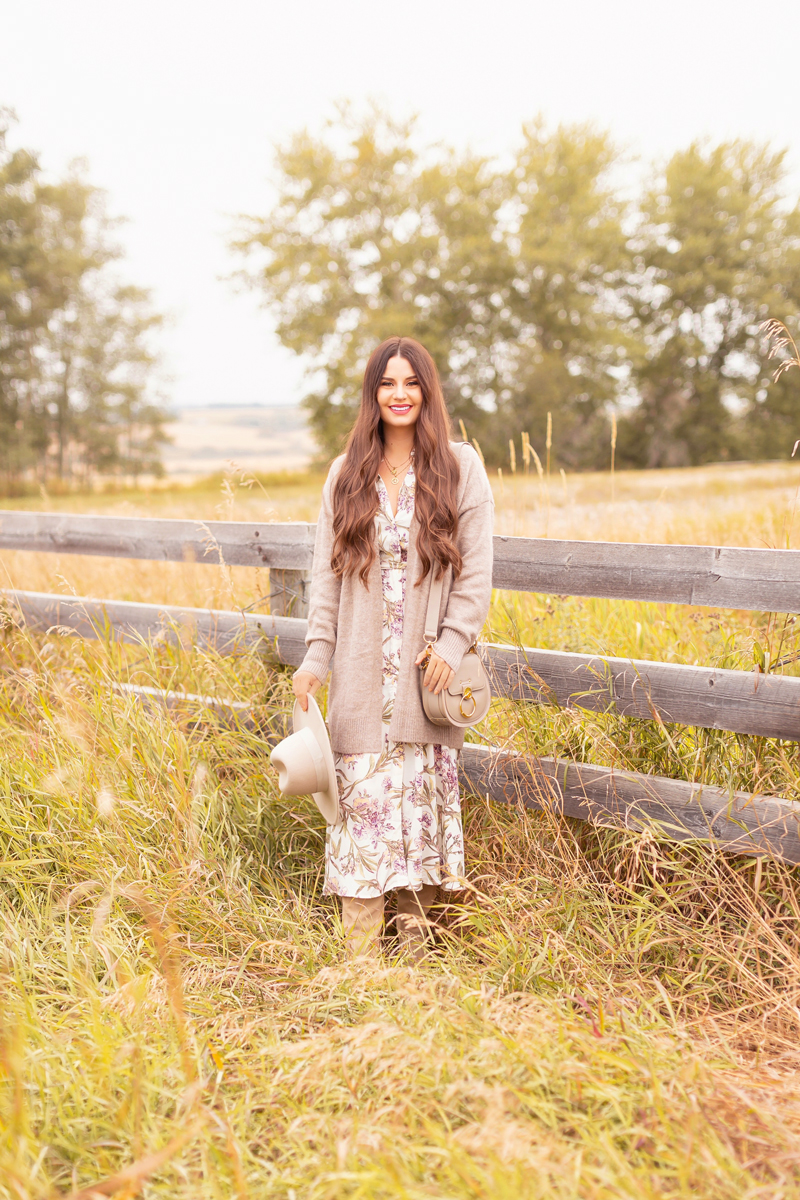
(346, 616)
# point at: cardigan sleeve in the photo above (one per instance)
(471, 593)
(326, 587)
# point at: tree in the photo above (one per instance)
(32, 287)
(490, 268)
(717, 252)
(537, 289)
(572, 341)
(371, 240)
(76, 233)
(74, 343)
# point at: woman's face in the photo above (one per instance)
(399, 394)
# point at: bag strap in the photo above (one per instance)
(435, 601)
(432, 613)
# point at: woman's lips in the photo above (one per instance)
(400, 409)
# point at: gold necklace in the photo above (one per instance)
(396, 470)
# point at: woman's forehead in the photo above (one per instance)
(399, 367)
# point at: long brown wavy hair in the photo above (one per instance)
(355, 497)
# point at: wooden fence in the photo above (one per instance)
(725, 577)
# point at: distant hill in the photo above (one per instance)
(255, 437)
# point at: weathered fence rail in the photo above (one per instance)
(739, 823)
(128, 621)
(287, 544)
(740, 701)
(716, 576)
(743, 702)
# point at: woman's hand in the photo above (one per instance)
(304, 684)
(438, 675)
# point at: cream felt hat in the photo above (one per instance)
(304, 761)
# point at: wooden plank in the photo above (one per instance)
(713, 698)
(740, 701)
(717, 576)
(223, 632)
(739, 824)
(236, 714)
(287, 544)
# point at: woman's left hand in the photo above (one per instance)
(438, 674)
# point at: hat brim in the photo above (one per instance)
(328, 801)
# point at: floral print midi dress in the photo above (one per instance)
(400, 813)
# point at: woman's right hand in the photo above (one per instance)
(304, 684)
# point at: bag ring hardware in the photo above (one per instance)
(467, 695)
(423, 666)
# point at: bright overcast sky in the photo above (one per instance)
(177, 103)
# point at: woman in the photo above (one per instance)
(401, 505)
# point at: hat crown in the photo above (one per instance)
(304, 761)
(300, 764)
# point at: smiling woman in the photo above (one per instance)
(402, 413)
(399, 401)
(403, 503)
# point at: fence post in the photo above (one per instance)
(289, 593)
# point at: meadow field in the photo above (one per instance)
(606, 1014)
(258, 437)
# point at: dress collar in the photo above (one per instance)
(406, 488)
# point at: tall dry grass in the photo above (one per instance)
(605, 1015)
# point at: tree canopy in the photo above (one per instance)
(538, 287)
(718, 252)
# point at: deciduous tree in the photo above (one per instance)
(76, 359)
(572, 341)
(506, 273)
(717, 252)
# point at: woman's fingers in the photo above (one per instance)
(430, 672)
(445, 680)
(304, 684)
(438, 674)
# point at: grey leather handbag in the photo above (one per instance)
(466, 699)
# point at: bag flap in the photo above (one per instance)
(471, 673)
